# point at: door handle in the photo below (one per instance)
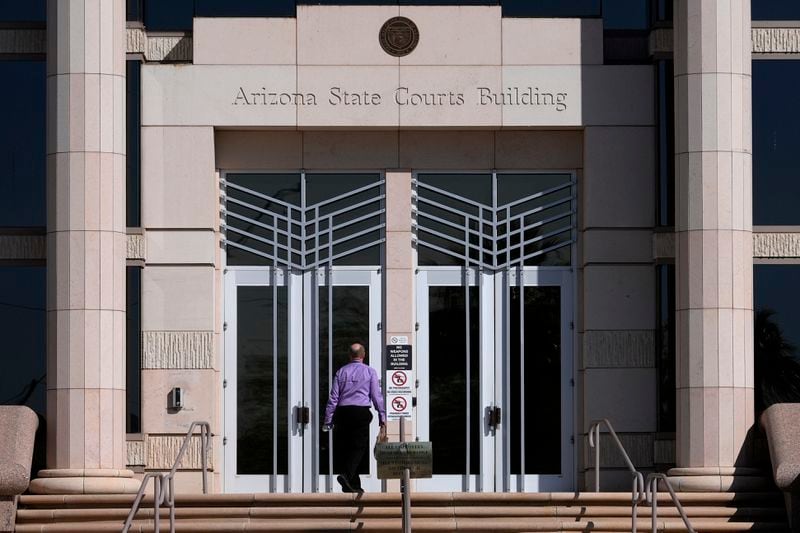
(303, 415)
(495, 416)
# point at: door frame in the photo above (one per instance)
(495, 443)
(302, 367)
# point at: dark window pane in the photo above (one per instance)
(262, 326)
(22, 10)
(664, 11)
(626, 14)
(551, 8)
(535, 386)
(666, 143)
(245, 8)
(22, 143)
(666, 347)
(133, 159)
(453, 397)
(165, 15)
(776, 291)
(134, 10)
(775, 9)
(350, 324)
(133, 332)
(776, 142)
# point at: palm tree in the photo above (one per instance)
(777, 371)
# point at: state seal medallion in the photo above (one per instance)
(399, 36)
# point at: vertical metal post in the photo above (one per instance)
(521, 288)
(469, 374)
(405, 486)
(274, 477)
(330, 350)
(597, 458)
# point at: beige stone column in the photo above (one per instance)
(714, 235)
(399, 277)
(86, 249)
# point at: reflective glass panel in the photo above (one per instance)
(456, 417)
(775, 9)
(626, 14)
(133, 140)
(535, 380)
(133, 333)
(170, 15)
(22, 10)
(665, 336)
(22, 143)
(24, 332)
(350, 313)
(551, 8)
(245, 8)
(776, 291)
(666, 143)
(776, 142)
(262, 407)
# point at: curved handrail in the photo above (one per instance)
(164, 484)
(638, 485)
(651, 487)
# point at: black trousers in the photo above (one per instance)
(350, 441)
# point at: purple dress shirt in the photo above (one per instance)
(355, 384)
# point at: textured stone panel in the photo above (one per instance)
(136, 41)
(23, 41)
(23, 247)
(638, 445)
(177, 349)
(776, 40)
(169, 48)
(136, 246)
(136, 455)
(776, 245)
(163, 449)
(664, 245)
(618, 349)
(661, 41)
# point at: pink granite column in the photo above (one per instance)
(85, 249)
(714, 255)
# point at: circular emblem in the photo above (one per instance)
(399, 36)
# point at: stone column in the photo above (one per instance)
(714, 253)
(86, 249)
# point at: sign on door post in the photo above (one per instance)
(399, 379)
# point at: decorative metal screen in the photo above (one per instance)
(495, 221)
(303, 221)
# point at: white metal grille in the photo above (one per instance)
(498, 233)
(303, 235)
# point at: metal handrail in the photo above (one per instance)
(638, 494)
(651, 487)
(164, 484)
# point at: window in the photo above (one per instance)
(22, 144)
(776, 142)
(626, 14)
(176, 15)
(777, 334)
(134, 146)
(665, 345)
(665, 206)
(551, 8)
(775, 9)
(663, 11)
(133, 334)
(23, 10)
(134, 10)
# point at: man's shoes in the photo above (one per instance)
(347, 487)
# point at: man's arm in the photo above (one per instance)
(377, 396)
(333, 400)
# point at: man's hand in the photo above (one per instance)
(382, 434)
(327, 427)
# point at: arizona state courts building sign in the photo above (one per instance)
(482, 186)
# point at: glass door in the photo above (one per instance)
(262, 392)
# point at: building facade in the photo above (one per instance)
(553, 204)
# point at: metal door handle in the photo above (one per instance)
(495, 416)
(303, 415)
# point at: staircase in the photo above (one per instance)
(489, 512)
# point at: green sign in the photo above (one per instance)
(394, 457)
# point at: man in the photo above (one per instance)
(354, 387)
